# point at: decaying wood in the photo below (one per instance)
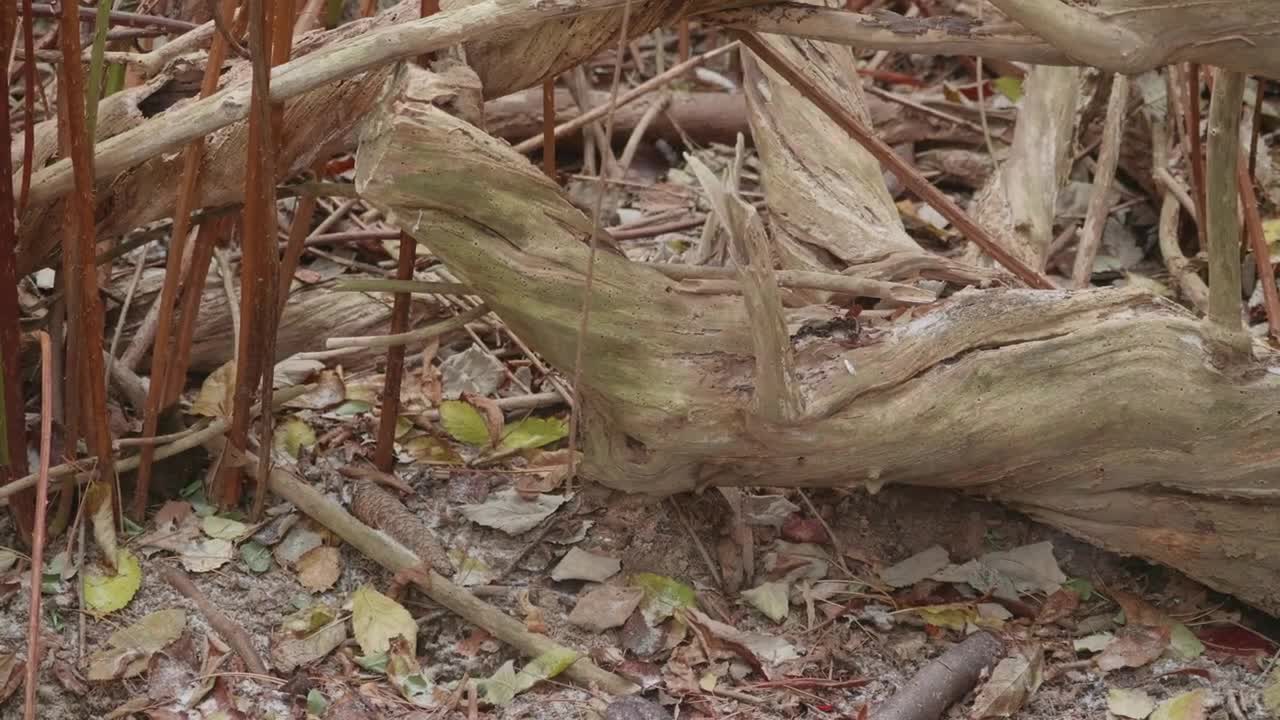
(1088, 410)
(231, 631)
(1120, 36)
(1017, 203)
(312, 314)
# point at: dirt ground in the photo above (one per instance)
(645, 536)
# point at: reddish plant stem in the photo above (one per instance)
(909, 176)
(128, 19)
(13, 463)
(384, 455)
(37, 538)
(1197, 148)
(192, 293)
(28, 107)
(299, 229)
(1258, 244)
(256, 272)
(188, 197)
(683, 42)
(281, 46)
(80, 254)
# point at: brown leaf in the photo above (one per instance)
(492, 414)
(172, 513)
(1059, 605)
(1137, 611)
(319, 568)
(1134, 646)
(11, 671)
(800, 529)
(330, 391)
(533, 484)
(535, 618)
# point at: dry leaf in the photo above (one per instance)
(1012, 682)
(605, 607)
(207, 555)
(1185, 706)
(1134, 646)
(319, 568)
(582, 565)
(214, 398)
(1129, 703)
(376, 618)
(1059, 605)
(11, 672)
(1137, 611)
(130, 648)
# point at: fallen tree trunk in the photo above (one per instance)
(1111, 414)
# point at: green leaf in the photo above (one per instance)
(506, 683)
(223, 528)
(1080, 587)
(292, 435)
(352, 407)
(256, 556)
(433, 450)
(373, 663)
(1184, 643)
(662, 596)
(464, 423)
(376, 618)
(316, 704)
(1010, 87)
(103, 595)
(534, 432)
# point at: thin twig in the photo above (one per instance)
(420, 335)
(37, 535)
(1197, 151)
(575, 418)
(83, 471)
(639, 91)
(1100, 197)
(697, 543)
(1258, 245)
(230, 630)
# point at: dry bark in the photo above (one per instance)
(1111, 414)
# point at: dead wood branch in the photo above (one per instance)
(1018, 202)
(946, 679)
(1119, 36)
(231, 631)
(1085, 410)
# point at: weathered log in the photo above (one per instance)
(1111, 414)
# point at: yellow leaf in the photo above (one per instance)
(292, 435)
(214, 398)
(376, 618)
(104, 594)
(953, 616)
